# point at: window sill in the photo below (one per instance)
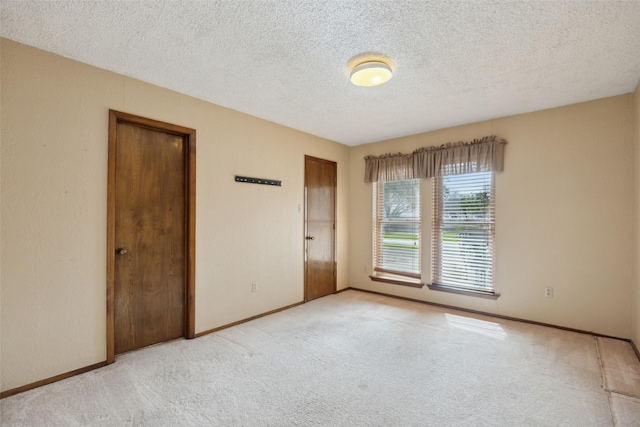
(414, 283)
(468, 292)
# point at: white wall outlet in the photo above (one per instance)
(548, 292)
(366, 268)
(254, 287)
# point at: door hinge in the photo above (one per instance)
(334, 273)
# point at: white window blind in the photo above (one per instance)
(397, 234)
(464, 231)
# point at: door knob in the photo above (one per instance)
(121, 251)
(309, 237)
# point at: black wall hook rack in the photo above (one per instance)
(258, 181)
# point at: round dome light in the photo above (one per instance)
(372, 73)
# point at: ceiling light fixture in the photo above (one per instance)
(371, 73)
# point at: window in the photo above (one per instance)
(397, 232)
(463, 232)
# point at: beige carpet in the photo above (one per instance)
(353, 359)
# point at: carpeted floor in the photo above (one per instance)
(353, 359)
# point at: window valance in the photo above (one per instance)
(453, 158)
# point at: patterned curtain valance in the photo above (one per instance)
(479, 155)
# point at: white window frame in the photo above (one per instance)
(469, 270)
(382, 272)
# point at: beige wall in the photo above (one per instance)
(564, 208)
(636, 293)
(54, 123)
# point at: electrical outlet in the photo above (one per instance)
(366, 268)
(548, 292)
(254, 287)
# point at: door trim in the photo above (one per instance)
(335, 221)
(116, 117)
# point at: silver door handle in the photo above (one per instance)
(121, 251)
(309, 237)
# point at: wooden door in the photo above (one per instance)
(152, 242)
(320, 227)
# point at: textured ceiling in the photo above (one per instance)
(455, 62)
